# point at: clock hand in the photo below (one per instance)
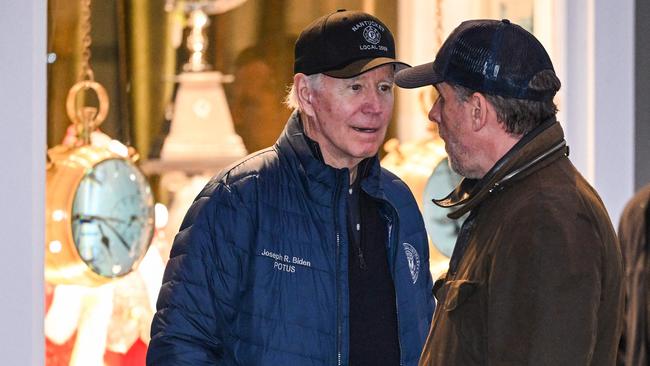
(105, 241)
(117, 233)
(133, 219)
(107, 222)
(96, 217)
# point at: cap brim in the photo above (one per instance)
(360, 66)
(417, 76)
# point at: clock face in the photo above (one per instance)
(112, 217)
(441, 229)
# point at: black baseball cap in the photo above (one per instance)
(494, 57)
(344, 44)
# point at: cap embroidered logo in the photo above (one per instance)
(371, 34)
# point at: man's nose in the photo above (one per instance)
(374, 103)
(434, 112)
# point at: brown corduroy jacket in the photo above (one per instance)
(540, 280)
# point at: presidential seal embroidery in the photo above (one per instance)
(371, 34)
(413, 259)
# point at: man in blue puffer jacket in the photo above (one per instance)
(308, 252)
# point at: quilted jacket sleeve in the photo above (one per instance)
(201, 286)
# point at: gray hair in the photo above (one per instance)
(315, 81)
(521, 116)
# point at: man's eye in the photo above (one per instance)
(385, 87)
(355, 87)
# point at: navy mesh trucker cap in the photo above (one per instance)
(490, 56)
(344, 44)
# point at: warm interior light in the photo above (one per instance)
(58, 215)
(55, 246)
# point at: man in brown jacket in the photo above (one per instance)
(536, 274)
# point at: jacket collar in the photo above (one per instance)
(535, 150)
(319, 179)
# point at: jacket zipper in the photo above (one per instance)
(339, 326)
(392, 242)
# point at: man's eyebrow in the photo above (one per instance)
(388, 78)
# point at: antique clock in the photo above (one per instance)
(99, 205)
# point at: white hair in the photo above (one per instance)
(314, 81)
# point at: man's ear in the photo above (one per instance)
(304, 94)
(480, 110)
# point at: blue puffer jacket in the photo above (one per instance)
(258, 272)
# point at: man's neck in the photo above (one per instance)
(502, 147)
(497, 147)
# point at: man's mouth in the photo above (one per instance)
(365, 130)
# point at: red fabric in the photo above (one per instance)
(59, 355)
(55, 354)
(134, 357)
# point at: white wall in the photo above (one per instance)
(597, 70)
(22, 182)
(614, 103)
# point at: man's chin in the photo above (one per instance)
(368, 152)
(462, 171)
